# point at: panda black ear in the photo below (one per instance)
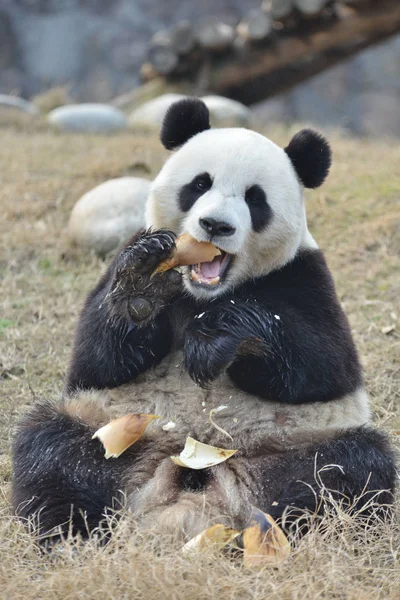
(183, 120)
(311, 157)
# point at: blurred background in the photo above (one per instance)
(319, 61)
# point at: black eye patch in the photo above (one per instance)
(192, 191)
(260, 210)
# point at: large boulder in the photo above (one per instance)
(88, 118)
(223, 112)
(109, 214)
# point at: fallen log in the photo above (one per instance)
(259, 73)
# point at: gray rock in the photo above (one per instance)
(53, 45)
(14, 102)
(90, 118)
(61, 42)
(9, 44)
(11, 79)
(381, 113)
(109, 214)
(223, 112)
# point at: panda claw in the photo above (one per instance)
(141, 294)
(159, 244)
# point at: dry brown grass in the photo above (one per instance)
(356, 219)
(52, 98)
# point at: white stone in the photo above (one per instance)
(150, 115)
(223, 112)
(88, 118)
(18, 104)
(109, 214)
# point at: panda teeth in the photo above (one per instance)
(213, 281)
(198, 279)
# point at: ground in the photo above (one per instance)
(355, 217)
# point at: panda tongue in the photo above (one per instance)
(211, 269)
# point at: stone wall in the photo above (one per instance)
(361, 95)
(94, 46)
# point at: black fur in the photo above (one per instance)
(62, 480)
(184, 119)
(193, 480)
(124, 329)
(311, 156)
(260, 211)
(192, 191)
(60, 474)
(283, 338)
(356, 469)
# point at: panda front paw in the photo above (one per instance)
(139, 259)
(208, 355)
(137, 293)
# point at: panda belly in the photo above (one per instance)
(160, 493)
(174, 499)
(169, 392)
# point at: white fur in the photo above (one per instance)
(169, 392)
(236, 159)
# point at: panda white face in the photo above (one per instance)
(238, 190)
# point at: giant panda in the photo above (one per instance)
(259, 330)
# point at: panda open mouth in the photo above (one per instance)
(211, 273)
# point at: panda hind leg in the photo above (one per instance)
(61, 480)
(356, 469)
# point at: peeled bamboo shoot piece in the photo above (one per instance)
(188, 251)
(217, 536)
(197, 455)
(264, 542)
(118, 435)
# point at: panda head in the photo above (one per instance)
(238, 190)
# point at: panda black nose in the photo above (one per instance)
(217, 228)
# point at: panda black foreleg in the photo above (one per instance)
(218, 335)
(206, 356)
(124, 329)
(356, 469)
(283, 357)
